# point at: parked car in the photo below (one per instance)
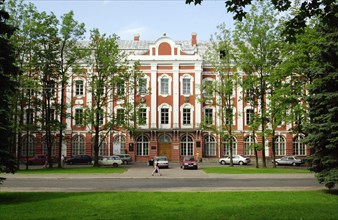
(113, 161)
(189, 162)
(79, 159)
(126, 158)
(236, 159)
(289, 160)
(162, 161)
(38, 159)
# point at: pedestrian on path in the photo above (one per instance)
(156, 168)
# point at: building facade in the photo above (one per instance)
(173, 112)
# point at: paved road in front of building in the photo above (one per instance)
(139, 178)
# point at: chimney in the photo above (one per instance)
(136, 37)
(193, 39)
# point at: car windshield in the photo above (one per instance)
(189, 159)
(161, 158)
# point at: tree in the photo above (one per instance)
(220, 56)
(305, 9)
(257, 40)
(8, 71)
(322, 131)
(108, 63)
(71, 53)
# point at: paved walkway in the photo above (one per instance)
(141, 170)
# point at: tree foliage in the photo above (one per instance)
(8, 71)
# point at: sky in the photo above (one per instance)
(150, 19)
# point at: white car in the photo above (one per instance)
(113, 161)
(162, 161)
(289, 160)
(236, 159)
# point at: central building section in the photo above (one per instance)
(173, 74)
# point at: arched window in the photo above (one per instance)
(102, 146)
(209, 146)
(280, 146)
(142, 146)
(119, 145)
(187, 146)
(248, 149)
(78, 145)
(53, 145)
(298, 146)
(27, 145)
(226, 146)
(164, 139)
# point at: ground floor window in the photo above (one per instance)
(27, 145)
(209, 146)
(142, 146)
(226, 146)
(78, 145)
(298, 146)
(187, 146)
(280, 146)
(248, 148)
(53, 145)
(119, 145)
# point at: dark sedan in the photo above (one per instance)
(79, 159)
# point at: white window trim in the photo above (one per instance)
(203, 82)
(147, 78)
(146, 125)
(160, 86)
(213, 114)
(245, 116)
(164, 105)
(191, 78)
(74, 87)
(192, 109)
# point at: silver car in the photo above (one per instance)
(113, 161)
(289, 160)
(236, 159)
(162, 161)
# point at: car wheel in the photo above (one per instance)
(277, 163)
(241, 163)
(223, 162)
(115, 165)
(294, 164)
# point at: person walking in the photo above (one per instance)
(156, 168)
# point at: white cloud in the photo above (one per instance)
(128, 33)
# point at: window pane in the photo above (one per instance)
(78, 87)
(164, 86)
(164, 116)
(186, 116)
(78, 117)
(186, 86)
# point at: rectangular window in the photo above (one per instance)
(29, 116)
(142, 120)
(79, 88)
(52, 115)
(120, 89)
(208, 116)
(164, 116)
(101, 114)
(249, 115)
(164, 86)
(50, 88)
(186, 116)
(186, 86)
(207, 89)
(78, 117)
(228, 116)
(120, 116)
(142, 87)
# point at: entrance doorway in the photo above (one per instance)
(165, 146)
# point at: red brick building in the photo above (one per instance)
(174, 72)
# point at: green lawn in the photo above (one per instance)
(249, 170)
(164, 205)
(75, 170)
